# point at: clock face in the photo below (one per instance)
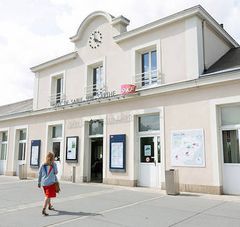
(95, 39)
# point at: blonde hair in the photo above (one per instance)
(49, 158)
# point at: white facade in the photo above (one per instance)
(166, 60)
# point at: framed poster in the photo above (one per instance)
(35, 153)
(72, 149)
(117, 152)
(187, 148)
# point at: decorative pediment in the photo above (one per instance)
(118, 23)
(88, 20)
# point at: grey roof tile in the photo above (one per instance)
(16, 108)
(228, 61)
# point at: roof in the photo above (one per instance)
(197, 10)
(230, 60)
(55, 61)
(16, 108)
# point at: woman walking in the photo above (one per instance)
(46, 179)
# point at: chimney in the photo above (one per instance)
(120, 25)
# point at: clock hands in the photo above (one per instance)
(95, 39)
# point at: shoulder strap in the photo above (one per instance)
(50, 169)
(45, 168)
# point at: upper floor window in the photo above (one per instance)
(57, 89)
(147, 65)
(3, 148)
(98, 82)
(95, 80)
(149, 68)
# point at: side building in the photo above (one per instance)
(125, 106)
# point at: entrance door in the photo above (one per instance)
(149, 171)
(231, 161)
(56, 148)
(97, 160)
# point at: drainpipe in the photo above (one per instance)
(203, 40)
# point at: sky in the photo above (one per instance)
(35, 31)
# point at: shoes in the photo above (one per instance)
(50, 207)
(44, 212)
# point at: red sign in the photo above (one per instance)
(128, 89)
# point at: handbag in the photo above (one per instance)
(57, 187)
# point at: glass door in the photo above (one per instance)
(150, 160)
(231, 161)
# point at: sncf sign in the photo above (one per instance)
(128, 89)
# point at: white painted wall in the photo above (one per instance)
(215, 46)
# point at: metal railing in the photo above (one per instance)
(57, 98)
(148, 79)
(94, 90)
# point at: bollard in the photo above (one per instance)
(74, 174)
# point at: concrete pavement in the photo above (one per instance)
(104, 205)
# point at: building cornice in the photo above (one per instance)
(55, 61)
(196, 10)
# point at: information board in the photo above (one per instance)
(118, 152)
(35, 153)
(187, 148)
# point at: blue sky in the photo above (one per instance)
(34, 31)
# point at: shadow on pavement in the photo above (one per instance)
(64, 212)
(189, 195)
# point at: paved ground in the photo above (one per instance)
(103, 205)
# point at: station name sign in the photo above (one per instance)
(98, 96)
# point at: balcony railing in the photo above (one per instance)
(57, 98)
(94, 90)
(148, 79)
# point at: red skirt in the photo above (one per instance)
(50, 191)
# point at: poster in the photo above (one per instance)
(117, 160)
(187, 148)
(35, 153)
(72, 148)
(117, 155)
(147, 150)
(34, 158)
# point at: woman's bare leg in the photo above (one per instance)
(46, 202)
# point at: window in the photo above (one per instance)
(3, 149)
(96, 127)
(230, 115)
(56, 150)
(57, 131)
(22, 144)
(98, 82)
(95, 80)
(149, 122)
(57, 89)
(231, 146)
(149, 68)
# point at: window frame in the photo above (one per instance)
(88, 78)
(4, 142)
(55, 97)
(24, 143)
(136, 62)
(148, 131)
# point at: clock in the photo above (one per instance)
(95, 39)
